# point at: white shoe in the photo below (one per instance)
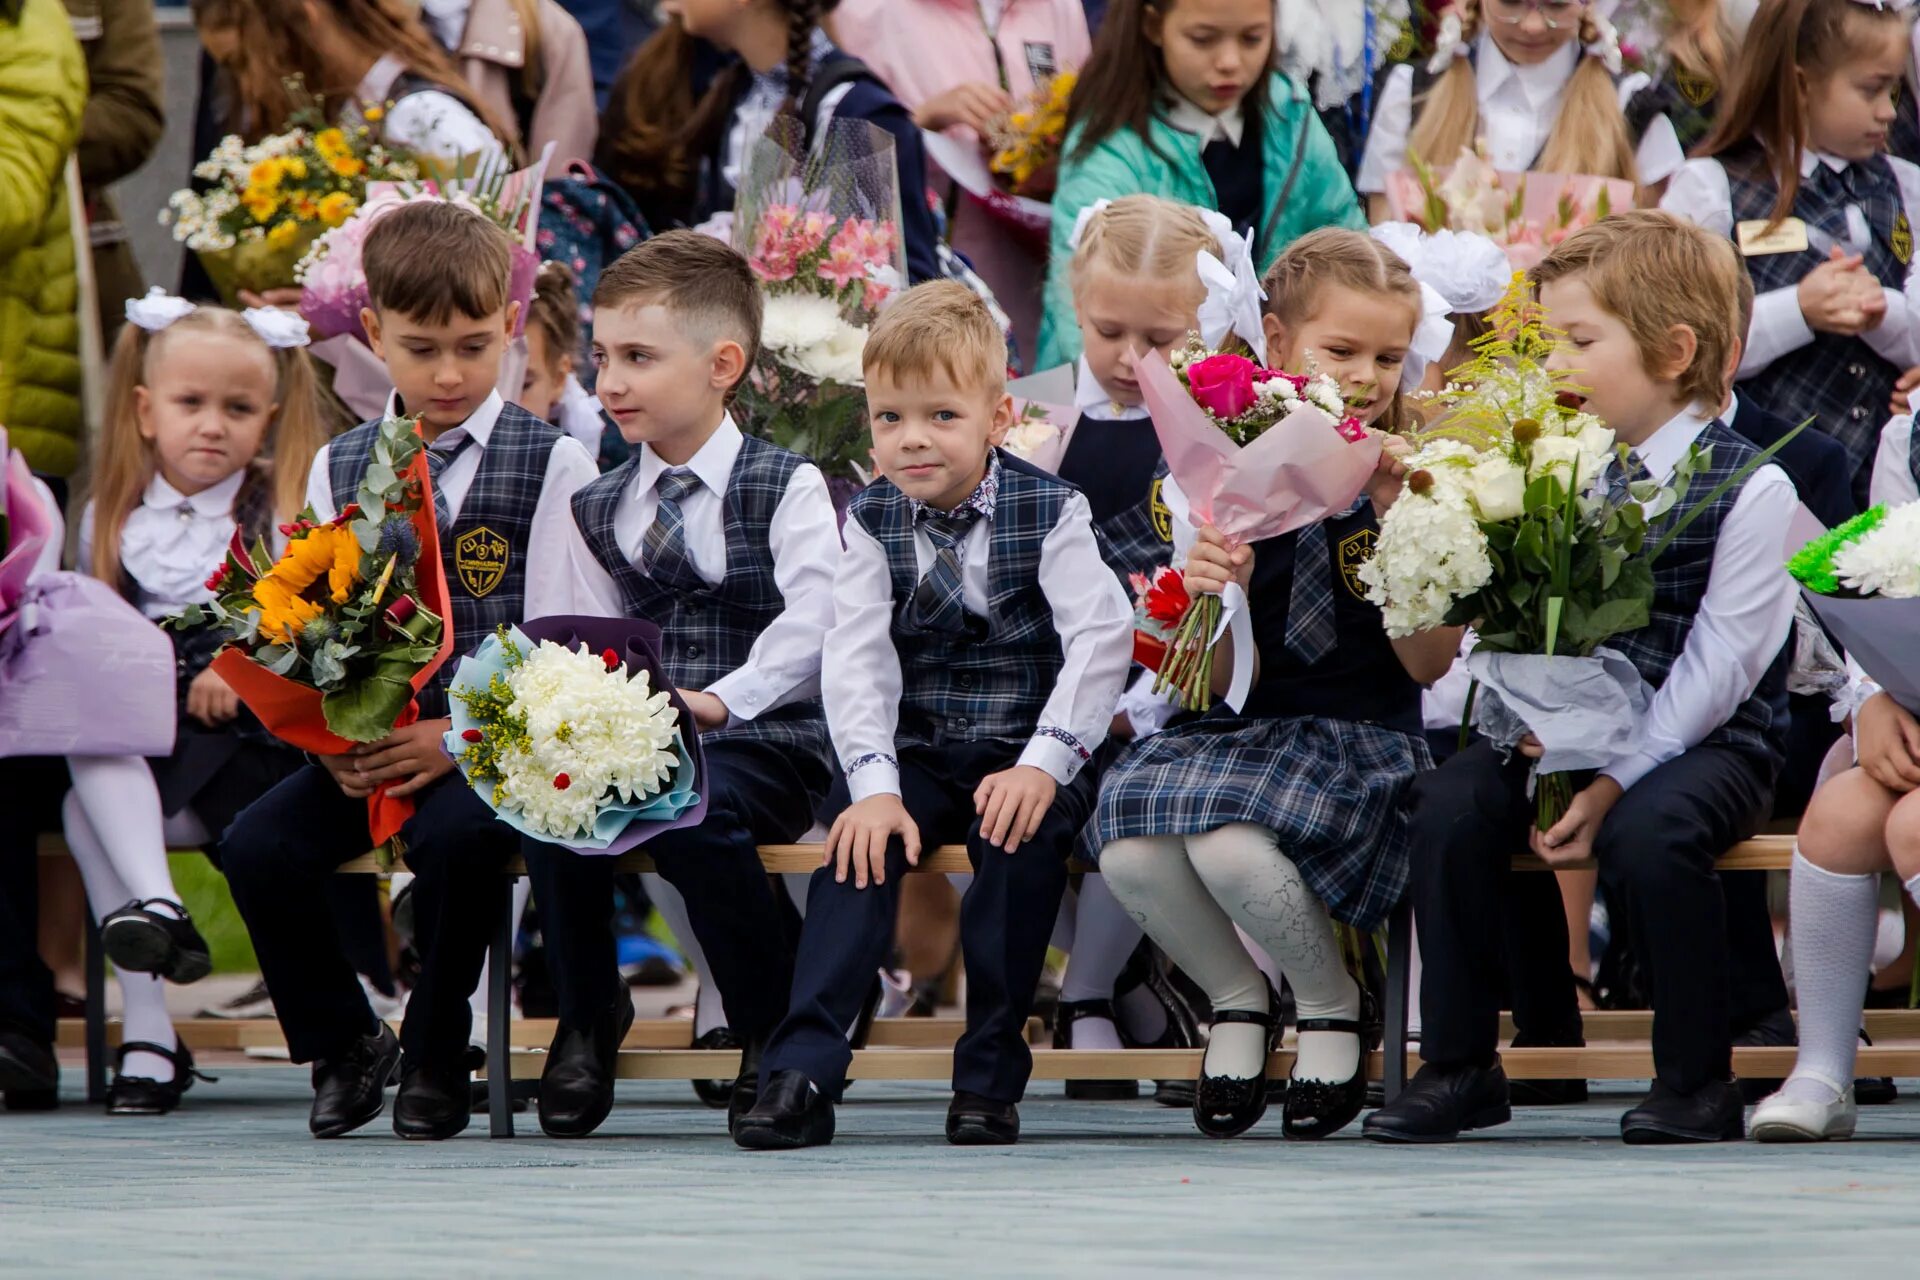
(1780, 1118)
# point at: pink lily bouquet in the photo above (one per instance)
(1526, 214)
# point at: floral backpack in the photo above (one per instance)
(586, 222)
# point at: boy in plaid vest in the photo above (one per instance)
(441, 320)
(979, 646)
(729, 544)
(1700, 779)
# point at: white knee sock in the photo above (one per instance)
(1156, 883)
(122, 804)
(708, 1010)
(143, 995)
(1104, 935)
(1835, 917)
(1260, 888)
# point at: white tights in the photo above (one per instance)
(1189, 892)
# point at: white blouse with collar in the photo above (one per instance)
(171, 542)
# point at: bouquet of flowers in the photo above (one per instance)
(273, 199)
(1160, 603)
(1524, 213)
(1026, 147)
(1216, 412)
(569, 731)
(821, 230)
(331, 641)
(1863, 580)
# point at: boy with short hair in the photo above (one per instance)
(979, 645)
(729, 544)
(1701, 778)
(441, 320)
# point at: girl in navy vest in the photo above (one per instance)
(1797, 176)
(1291, 811)
(211, 422)
(1536, 82)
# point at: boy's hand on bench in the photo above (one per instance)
(412, 757)
(1012, 803)
(1571, 839)
(860, 835)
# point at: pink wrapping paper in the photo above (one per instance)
(29, 527)
(1537, 229)
(1300, 471)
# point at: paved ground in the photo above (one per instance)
(231, 1186)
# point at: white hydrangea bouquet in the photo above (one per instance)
(1508, 524)
(1863, 580)
(568, 731)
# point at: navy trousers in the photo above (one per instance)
(1006, 919)
(32, 786)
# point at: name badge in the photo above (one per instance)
(1756, 241)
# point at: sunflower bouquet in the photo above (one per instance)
(1026, 148)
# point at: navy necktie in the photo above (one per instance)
(665, 546)
(438, 460)
(939, 603)
(1310, 630)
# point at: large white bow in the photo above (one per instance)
(1234, 295)
(159, 309)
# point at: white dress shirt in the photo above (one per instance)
(1518, 107)
(171, 543)
(1700, 194)
(784, 664)
(1182, 114)
(863, 684)
(1092, 400)
(1893, 481)
(1743, 618)
(431, 122)
(568, 469)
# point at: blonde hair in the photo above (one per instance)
(1589, 135)
(938, 327)
(1699, 288)
(1698, 37)
(1143, 236)
(1334, 257)
(124, 463)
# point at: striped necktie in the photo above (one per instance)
(438, 460)
(939, 603)
(1310, 630)
(665, 546)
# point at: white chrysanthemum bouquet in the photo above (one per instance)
(1863, 580)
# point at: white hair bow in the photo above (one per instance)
(1087, 215)
(1431, 337)
(157, 310)
(1234, 295)
(1470, 271)
(278, 329)
(160, 309)
(1895, 6)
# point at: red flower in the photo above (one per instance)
(1222, 384)
(611, 658)
(347, 513)
(1352, 430)
(561, 782)
(1167, 599)
(218, 577)
(472, 735)
(1570, 400)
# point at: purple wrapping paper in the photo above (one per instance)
(82, 672)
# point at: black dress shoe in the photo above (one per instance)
(1227, 1106)
(1711, 1114)
(746, 1085)
(145, 1096)
(717, 1093)
(1549, 1093)
(791, 1113)
(1776, 1029)
(141, 940)
(29, 1073)
(1439, 1104)
(1065, 1014)
(1316, 1109)
(350, 1089)
(576, 1088)
(1873, 1091)
(974, 1121)
(432, 1104)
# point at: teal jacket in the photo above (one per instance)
(1291, 136)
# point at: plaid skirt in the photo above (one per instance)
(1334, 791)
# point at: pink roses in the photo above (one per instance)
(1223, 384)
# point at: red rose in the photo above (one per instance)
(1222, 384)
(561, 782)
(472, 735)
(611, 658)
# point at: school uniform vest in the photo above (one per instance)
(1119, 467)
(1361, 677)
(992, 681)
(1839, 381)
(485, 552)
(1687, 100)
(1759, 725)
(709, 633)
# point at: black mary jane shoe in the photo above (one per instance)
(792, 1112)
(1143, 969)
(1228, 1106)
(717, 1093)
(143, 1096)
(1065, 1014)
(974, 1121)
(141, 940)
(1315, 1109)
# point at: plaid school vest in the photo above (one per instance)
(1839, 381)
(1759, 725)
(709, 633)
(993, 681)
(485, 553)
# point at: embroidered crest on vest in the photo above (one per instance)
(1355, 550)
(1901, 241)
(1161, 513)
(480, 557)
(1698, 90)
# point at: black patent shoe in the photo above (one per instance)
(576, 1086)
(29, 1073)
(1873, 1091)
(1712, 1113)
(1181, 1031)
(143, 1096)
(717, 1093)
(140, 940)
(974, 1121)
(433, 1102)
(1316, 1109)
(1065, 1014)
(1227, 1106)
(746, 1085)
(1440, 1103)
(350, 1089)
(791, 1113)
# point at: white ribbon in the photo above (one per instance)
(160, 310)
(1470, 271)
(1087, 215)
(1234, 295)
(1236, 618)
(277, 328)
(1447, 43)
(157, 310)
(1431, 337)
(1606, 43)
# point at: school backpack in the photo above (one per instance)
(586, 222)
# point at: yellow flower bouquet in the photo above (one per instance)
(1026, 150)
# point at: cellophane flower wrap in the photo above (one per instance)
(1026, 145)
(1863, 580)
(1507, 524)
(1526, 214)
(1256, 453)
(270, 201)
(821, 229)
(569, 731)
(331, 641)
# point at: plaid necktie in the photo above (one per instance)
(939, 604)
(1310, 632)
(438, 460)
(665, 546)
(1620, 477)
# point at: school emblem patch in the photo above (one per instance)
(1902, 238)
(1162, 517)
(1698, 90)
(1355, 550)
(480, 558)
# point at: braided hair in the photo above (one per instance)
(802, 17)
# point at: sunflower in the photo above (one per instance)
(286, 594)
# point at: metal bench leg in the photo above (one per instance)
(500, 1018)
(1399, 966)
(96, 965)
